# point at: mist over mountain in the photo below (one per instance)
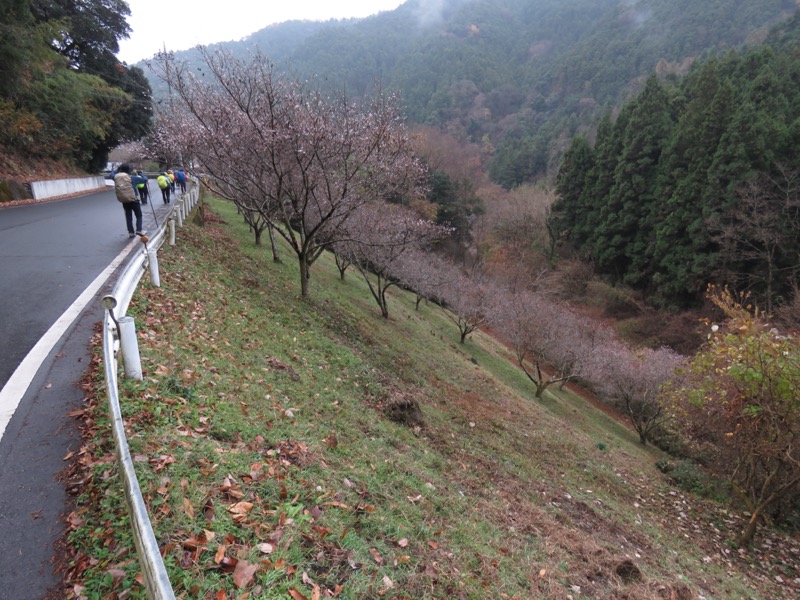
(518, 77)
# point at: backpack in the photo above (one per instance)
(123, 188)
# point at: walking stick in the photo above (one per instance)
(150, 202)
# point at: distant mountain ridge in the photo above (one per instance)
(520, 77)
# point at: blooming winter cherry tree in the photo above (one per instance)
(305, 161)
(633, 380)
(467, 299)
(383, 240)
(552, 344)
(428, 275)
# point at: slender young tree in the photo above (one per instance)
(751, 237)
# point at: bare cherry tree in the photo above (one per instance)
(306, 161)
(342, 261)
(757, 235)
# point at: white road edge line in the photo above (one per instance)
(20, 380)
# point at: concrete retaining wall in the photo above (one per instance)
(64, 187)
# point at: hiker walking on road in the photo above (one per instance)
(163, 184)
(140, 183)
(123, 188)
(180, 177)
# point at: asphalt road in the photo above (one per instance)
(49, 253)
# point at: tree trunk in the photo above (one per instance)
(747, 535)
(341, 264)
(384, 304)
(275, 257)
(541, 384)
(201, 205)
(303, 276)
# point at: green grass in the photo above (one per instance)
(259, 426)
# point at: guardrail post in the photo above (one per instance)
(171, 231)
(129, 346)
(179, 215)
(152, 262)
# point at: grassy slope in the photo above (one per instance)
(260, 437)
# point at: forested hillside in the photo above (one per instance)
(63, 93)
(518, 77)
(696, 181)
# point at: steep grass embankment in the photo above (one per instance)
(271, 468)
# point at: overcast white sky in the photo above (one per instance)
(183, 24)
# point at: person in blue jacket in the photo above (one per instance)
(139, 181)
(180, 177)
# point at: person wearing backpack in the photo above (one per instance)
(163, 184)
(180, 177)
(140, 183)
(123, 188)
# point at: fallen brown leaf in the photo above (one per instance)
(244, 573)
(296, 595)
(187, 507)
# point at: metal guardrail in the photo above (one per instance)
(154, 572)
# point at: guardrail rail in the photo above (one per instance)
(154, 572)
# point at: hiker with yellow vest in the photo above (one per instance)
(163, 185)
(171, 176)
